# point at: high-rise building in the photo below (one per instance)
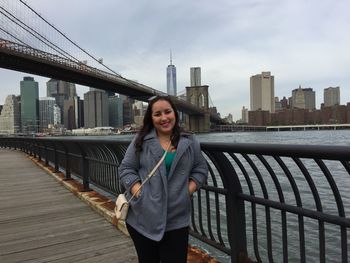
(284, 103)
(95, 109)
(57, 115)
(79, 112)
(128, 116)
(331, 96)
(29, 105)
(69, 114)
(139, 110)
(10, 116)
(244, 115)
(195, 76)
(262, 92)
(278, 104)
(61, 91)
(115, 109)
(46, 109)
(55, 86)
(72, 113)
(171, 78)
(303, 99)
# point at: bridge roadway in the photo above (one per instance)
(42, 221)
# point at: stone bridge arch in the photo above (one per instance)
(198, 96)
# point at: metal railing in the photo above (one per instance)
(276, 203)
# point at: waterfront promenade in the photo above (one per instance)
(41, 221)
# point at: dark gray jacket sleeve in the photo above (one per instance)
(128, 169)
(199, 173)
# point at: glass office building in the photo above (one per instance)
(29, 105)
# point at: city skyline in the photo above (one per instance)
(300, 43)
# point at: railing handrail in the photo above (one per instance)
(330, 152)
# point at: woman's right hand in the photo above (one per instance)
(136, 188)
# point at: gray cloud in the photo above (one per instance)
(300, 42)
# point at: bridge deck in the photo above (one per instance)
(41, 221)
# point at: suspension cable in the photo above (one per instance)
(34, 32)
(6, 32)
(69, 38)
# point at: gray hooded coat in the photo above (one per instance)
(165, 202)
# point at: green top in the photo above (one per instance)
(169, 157)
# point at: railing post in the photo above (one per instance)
(25, 148)
(56, 159)
(84, 169)
(234, 207)
(39, 152)
(30, 148)
(67, 168)
(46, 155)
(34, 146)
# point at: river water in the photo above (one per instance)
(322, 137)
(332, 233)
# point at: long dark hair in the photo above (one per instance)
(148, 123)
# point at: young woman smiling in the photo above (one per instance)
(159, 216)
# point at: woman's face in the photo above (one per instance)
(163, 117)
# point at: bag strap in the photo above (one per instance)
(152, 172)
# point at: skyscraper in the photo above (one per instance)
(61, 91)
(55, 86)
(115, 109)
(72, 113)
(10, 116)
(29, 105)
(195, 76)
(95, 108)
(171, 78)
(46, 108)
(331, 96)
(128, 116)
(303, 98)
(56, 115)
(262, 92)
(244, 115)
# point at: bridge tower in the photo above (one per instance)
(198, 96)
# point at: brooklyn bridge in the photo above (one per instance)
(23, 47)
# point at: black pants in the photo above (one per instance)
(172, 248)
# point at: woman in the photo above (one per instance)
(159, 215)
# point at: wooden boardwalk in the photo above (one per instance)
(41, 221)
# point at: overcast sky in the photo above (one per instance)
(301, 42)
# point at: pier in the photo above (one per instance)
(308, 127)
